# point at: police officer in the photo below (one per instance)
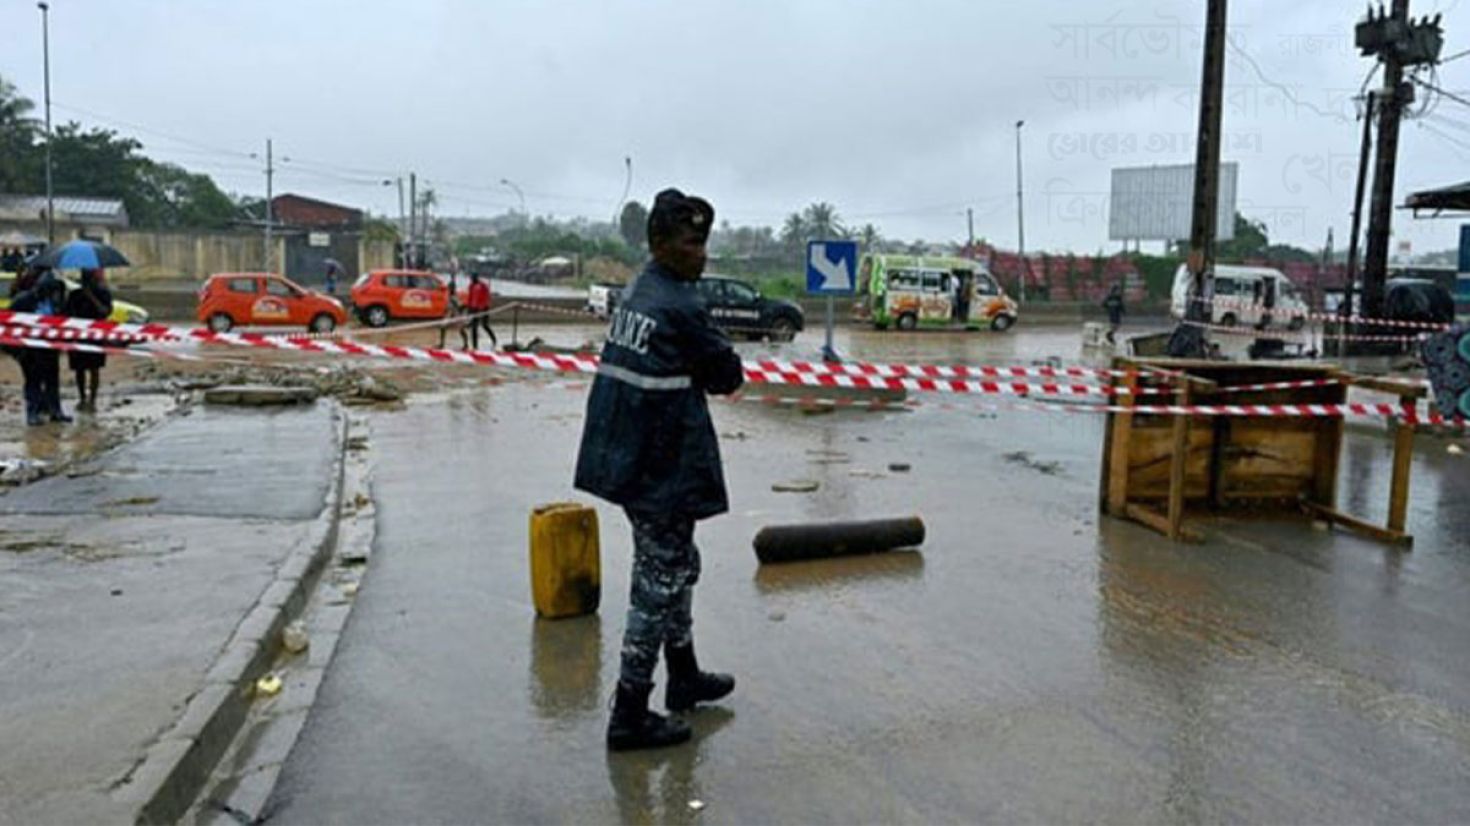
(648, 445)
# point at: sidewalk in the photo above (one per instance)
(139, 592)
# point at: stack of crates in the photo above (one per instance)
(1447, 357)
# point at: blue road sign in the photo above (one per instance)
(831, 267)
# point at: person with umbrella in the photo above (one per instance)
(42, 368)
(334, 271)
(91, 300)
(81, 254)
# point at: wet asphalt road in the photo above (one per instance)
(1034, 663)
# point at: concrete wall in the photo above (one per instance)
(194, 256)
(376, 255)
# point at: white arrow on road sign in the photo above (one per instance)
(834, 275)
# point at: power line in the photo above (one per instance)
(150, 130)
(1454, 56)
(1454, 141)
(1433, 88)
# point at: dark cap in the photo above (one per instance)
(673, 210)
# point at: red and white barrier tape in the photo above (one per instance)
(9, 340)
(757, 372)
(68, 334)
(1301, 336)
(1334, 411)
(1235, 303)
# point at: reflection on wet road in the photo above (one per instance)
(1034, 662)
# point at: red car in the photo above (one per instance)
(381, 295)
(257, 298)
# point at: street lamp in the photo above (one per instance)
(46, 63)
(519, 194)
(1020, 214)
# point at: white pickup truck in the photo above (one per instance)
(602, 298)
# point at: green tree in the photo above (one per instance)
(823, 222)
(1250, 241)
(633, 224)
(795, 232)
(381, 229)
(180, 198)
(18, 133)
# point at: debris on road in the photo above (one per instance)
(788, 543)
(20, 471)
(796, 486)
(1454, 450)
(268, 686)
(294, 638)
(131, 501)
(1023, 458)
(259, 395)
(900, 467)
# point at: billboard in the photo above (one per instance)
(1154, 203)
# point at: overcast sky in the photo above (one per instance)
(900, 113)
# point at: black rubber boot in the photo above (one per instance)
(633, 726)
(687, 684)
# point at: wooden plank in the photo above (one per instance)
(1328, 450)
(1403, 457)
(1151, 456)
(1151, 518)
(1360, 525)
(1220, 436)
(1176, 465)
(1403, 389)
(1117, 459)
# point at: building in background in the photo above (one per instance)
(76, 216)
(313, 231)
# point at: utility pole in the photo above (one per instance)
(970, 222)
(402, 220)
(1021, 216)
(46, 68)
(627, 187)
(413, 226)
(270, 172)
(1397, 41)
(1363, 150)
(1188, 339)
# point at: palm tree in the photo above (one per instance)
(822, 221)
(795, 232)
(869, 237)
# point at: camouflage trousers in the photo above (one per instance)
(665, 569)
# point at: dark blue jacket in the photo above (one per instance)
(647, 442)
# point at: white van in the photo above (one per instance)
(1247, 296)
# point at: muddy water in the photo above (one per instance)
(1031, 662)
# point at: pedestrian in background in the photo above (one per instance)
(648, 445)
(334, 271)
(1113, 303)
(12, 260)
(91, 300)
(477, 302)
(454, 318)
(42, 368)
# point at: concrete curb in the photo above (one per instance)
(164, 784)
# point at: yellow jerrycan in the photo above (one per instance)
(566, 567)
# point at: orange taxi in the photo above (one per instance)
(233, 299)
(380, 295)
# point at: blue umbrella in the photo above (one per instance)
(81, 255)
